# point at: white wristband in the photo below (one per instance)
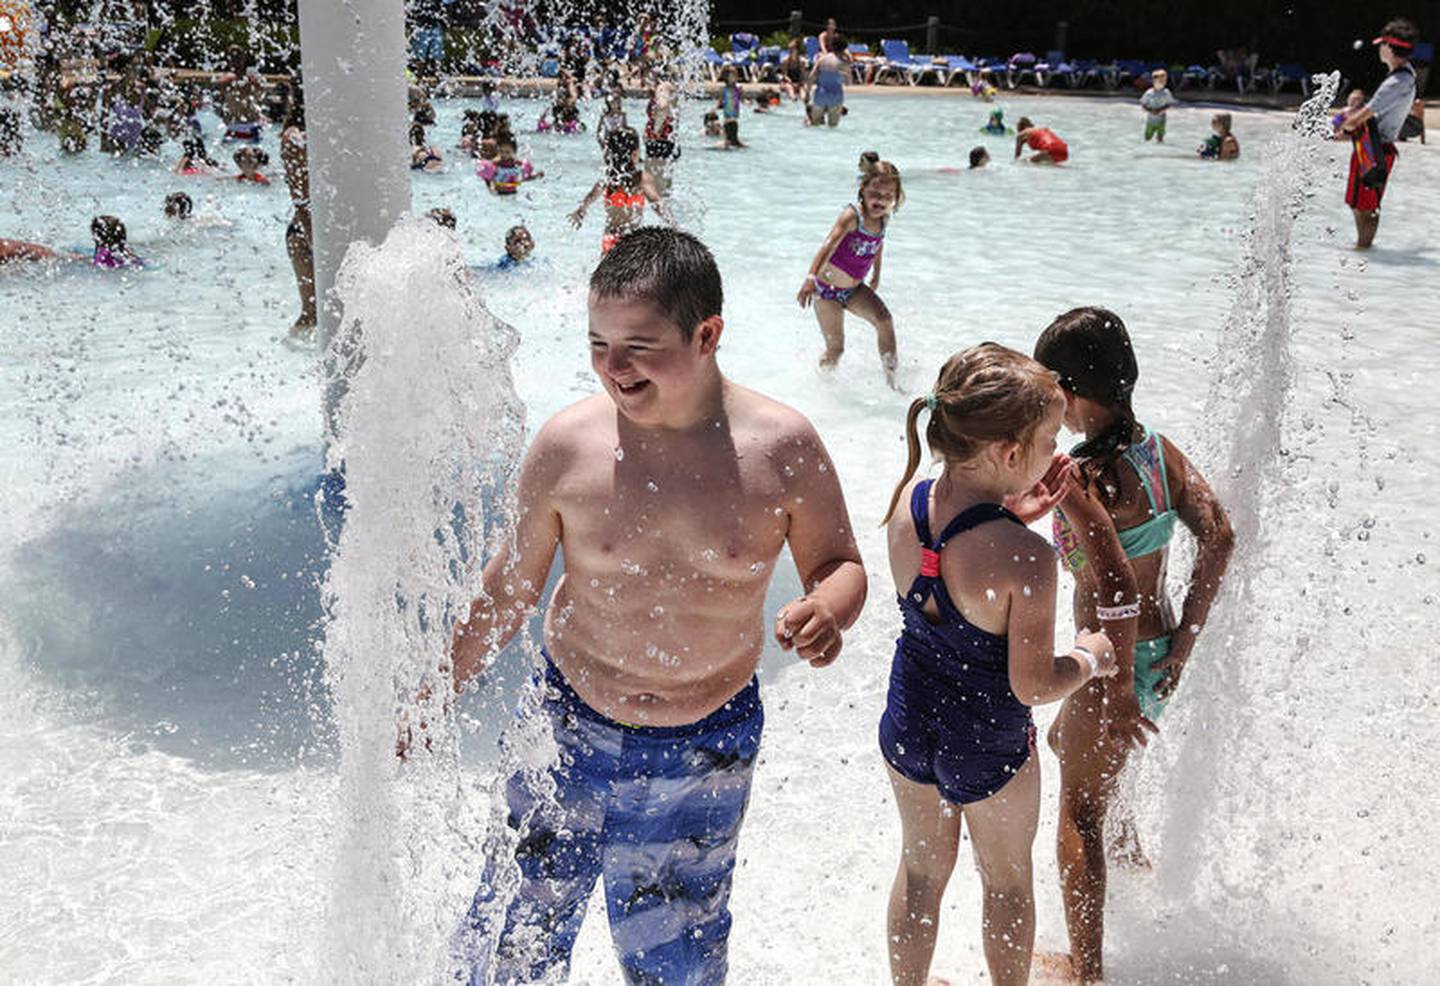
(1126, 612)
(1090, 660)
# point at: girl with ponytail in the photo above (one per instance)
(976, 651)
(1112, 531)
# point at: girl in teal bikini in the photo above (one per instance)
(1113, 532)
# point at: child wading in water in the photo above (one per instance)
(836, 279)
(626, 189)
(1221, 144)
(978, 604)
(1113, 532)
(1047, 145)
(651, 637)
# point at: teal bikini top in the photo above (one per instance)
(1147, 458)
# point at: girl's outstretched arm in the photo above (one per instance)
(843, 225)
(652, 193)
(1201, 512)
(1037, 675)
(577, 218)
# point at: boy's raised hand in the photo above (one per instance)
(808, 627)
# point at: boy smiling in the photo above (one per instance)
(672, 495)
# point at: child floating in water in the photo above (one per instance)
(1113, 531)
(518, 247)
(995, 126)
(836, 279)
(111, 250)
(1047, 145)
(506, 173)
(712, 124)
(1221, 144)
(977, 599)
(979, 157)
(250, 160)
(647, 680)
(1155, 101)
(626, 189)
(193, 159)
(178, 205)
(424, 156)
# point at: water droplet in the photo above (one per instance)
(1027, 592)
(757, 567)
(657, 612)
(824, 467)
(619, 453)
(709, 554)
(652, 486)
(989, 595)
(788, 471)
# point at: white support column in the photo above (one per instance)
(352, 53)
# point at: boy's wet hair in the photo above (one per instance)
(672, 270)
(883, 171)
(442, 216)
(515, 232)
(985, 394)
(1402, 29)
(108, 232)
(178, 205)
(977, 155)
(1090, 352)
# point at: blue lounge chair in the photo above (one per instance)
(812, 49)
(714, 62)
(767, 63)
(1128, 70)
(897, 60)
(861, 61)
(1052, 67)
(958, 66)
(1288, 72)
(743, 50)
(1197, 75)
(1018, 66)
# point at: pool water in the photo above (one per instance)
(168, 808)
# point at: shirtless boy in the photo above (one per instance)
(672, 495)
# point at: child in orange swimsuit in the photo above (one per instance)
(1047, 145)
(250, 160)
(625, 188)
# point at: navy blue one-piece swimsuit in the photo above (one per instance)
(951, 719)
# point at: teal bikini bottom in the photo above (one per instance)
(1147, 652)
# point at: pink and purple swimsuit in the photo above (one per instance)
(854, 255)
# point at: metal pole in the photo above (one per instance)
(352, 53)
(932, 34)
(797, 23)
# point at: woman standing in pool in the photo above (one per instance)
(975, 654)
(836, 279)
(827, 86)
(1133, 485)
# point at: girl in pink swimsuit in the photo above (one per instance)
(853, 249)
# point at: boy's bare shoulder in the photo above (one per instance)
(766, 420)
(571, 431)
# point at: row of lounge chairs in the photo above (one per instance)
(896, 63)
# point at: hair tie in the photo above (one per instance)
(932, 401)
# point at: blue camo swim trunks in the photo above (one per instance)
(656, 811)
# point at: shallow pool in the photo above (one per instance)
(167, 809)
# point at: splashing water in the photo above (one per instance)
(428, 428)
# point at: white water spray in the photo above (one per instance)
(428, 429)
